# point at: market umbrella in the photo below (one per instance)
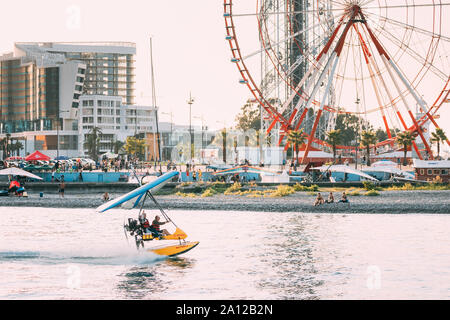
(37, 156)
(18, 172)
(382, 163)
(110, 155)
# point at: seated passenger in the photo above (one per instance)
(144, 222)
(156, 226)
(319, 200)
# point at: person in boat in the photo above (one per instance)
(319, 200)
(156, 226)
(344, 198)
(144, 222)
(330, 198)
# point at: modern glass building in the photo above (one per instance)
(39, 94)
(110, 65)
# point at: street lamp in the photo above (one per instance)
(190, 102)
(203, 127)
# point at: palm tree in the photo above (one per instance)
(296, 138)
(334, 138)
(17, 146)
(405, 140)
(438, 136)
(92, 143)
(117, 146)
(224, 145)
(368, 138)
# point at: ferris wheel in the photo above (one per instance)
(307, 62)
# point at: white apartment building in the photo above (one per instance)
(115, 120)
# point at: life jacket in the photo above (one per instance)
(155, 226)
(146, 224)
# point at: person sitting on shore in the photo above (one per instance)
(106, 196)
(330, 198)
(156, 226)
(319, 200)
(344, 198)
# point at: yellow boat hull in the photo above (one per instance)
(174, 250)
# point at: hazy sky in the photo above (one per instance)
(189, 50)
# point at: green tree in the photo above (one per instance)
(405, 140)
(92, 143)
(334, 138)
(437, 137)
(368, 138)
(296, 138)
(249, 118)
(135, 147)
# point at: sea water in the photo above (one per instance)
(80, 254)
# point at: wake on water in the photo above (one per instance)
(116, 257)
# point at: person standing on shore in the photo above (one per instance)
(62, 186)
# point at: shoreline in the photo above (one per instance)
(400, 202)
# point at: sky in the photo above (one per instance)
(190, 53)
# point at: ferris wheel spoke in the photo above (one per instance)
(412, 53)
(389, 64)
(413, 5)
(409, 26)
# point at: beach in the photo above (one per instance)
(387, 202)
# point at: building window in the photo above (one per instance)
(422, 172)
(429, 172)
(444, 172)
(436, 171)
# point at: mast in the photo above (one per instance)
(156, 108)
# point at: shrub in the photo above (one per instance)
(208, 193)
(372, 193)
(299, 187)
(283, 191)
(235, 187)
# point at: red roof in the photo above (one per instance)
(37, 156)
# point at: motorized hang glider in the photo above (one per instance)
(137, 198)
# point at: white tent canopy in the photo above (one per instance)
(344, 169)
(383, 163)
(18, 172)
(390, 169)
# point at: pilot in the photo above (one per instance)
(156, 226)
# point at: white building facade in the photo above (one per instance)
(115, 120)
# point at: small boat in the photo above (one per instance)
(166, 245)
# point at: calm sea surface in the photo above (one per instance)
(80, 254)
